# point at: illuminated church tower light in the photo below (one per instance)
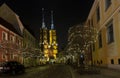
(48, 41)
(53, 42)
(43, 21)
(44, 37)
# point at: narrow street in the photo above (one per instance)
(49, 71)
(62, 71)
(60, 39)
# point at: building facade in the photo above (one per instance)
(16, 41)
(11, 36)
(48, 41)
(104, 16)
(10, 42)
(29, 49)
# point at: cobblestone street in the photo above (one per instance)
(49, 71)
(63, 71)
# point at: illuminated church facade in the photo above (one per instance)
(48, 40)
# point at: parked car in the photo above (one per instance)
(12, 67)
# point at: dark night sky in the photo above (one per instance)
(66, 14)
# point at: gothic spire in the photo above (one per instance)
(43, 21)
(52, 24)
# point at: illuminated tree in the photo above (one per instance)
(80, 39)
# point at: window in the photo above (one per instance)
(3, 56)
(12, 38)
(101, 61)
(97, 62)
(110, 33)
(98, 14)
(18, 42)
(118, 61)
(112, 61)
(11, 56)
(107, 4)
(4, 36)
(100, 40)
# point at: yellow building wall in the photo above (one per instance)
(108, 51)
(117, 36)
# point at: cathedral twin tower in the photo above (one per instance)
(48, 42)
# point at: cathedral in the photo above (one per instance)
(48, 42)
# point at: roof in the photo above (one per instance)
(8, 26)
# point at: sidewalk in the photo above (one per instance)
(110, 72)
(104, 73)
